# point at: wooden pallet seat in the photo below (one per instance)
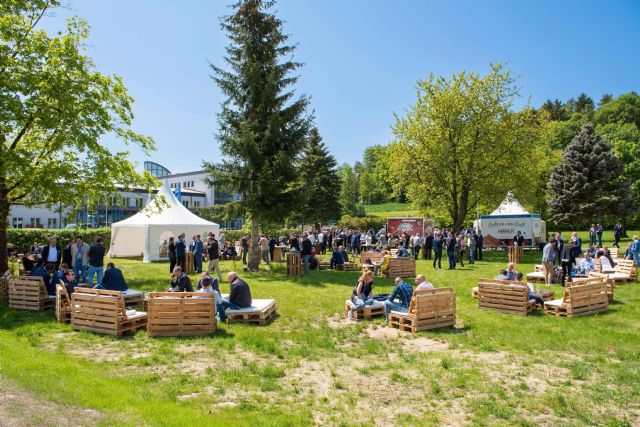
(628, 267)
(260, 312)
(181, 314)
(347, 266)
(63, 304)
(429, 309)
(104, 312)
(402, 267)
(545, 294)
(29, 293)
(132, 297)
(580, 300)
(369, 311)
(509, 298)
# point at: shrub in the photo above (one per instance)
(23, 238)
(361, 223)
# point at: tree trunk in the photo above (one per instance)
(254, 250)
(4, 223)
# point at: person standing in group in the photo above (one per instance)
(567, 260)
(66, 253)
(264, 248)
(599, 231)
(471, 247)
(559, 246)
(198, 246)
(635, 249)
(577, 245)
(52, 253)
(192, 244)
(181, 248)
(322, 239)
(80, 257)
(459, 248)
(172, 254)
(213, 251)
(617, 233)
(417, 244)
(479, 245)
(222, 240)
(306, 252)
(437, 251)
(96, 261)
(549, 254)
(592, 234)
(428, 246)
(451, 250)
(244, 243)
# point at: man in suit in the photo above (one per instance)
(56, 278)
(80, 260)
(479, 243)
(239, 296)
(567, 260)
(52, 253)
(197, 253)
(451, 250)
(181, 248)
(180, 282)
(40, 271)
(617, 232)
(113, 279)
(518, 239)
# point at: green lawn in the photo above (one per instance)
(308, 367)
(388, 210)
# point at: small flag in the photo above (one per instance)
(178, 194)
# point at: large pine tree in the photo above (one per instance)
(319, 182)
(262, 126)
(588, 184)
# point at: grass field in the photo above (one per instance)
(309, 367)
(388, 210)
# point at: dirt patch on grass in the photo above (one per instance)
(19, 408)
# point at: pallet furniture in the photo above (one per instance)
(324, 264)
(537, 275)
(620, 274)
(516, 254)
(511, 298)
(596, 278)
(429, 309)
(401, 267)
(347, 266)
(545, 294)
(375, 257)
(278, 253)
(294, 264)
(189, 263)
(627, 266)
(179, 314)
(63, 304)
(29, 293)
(260, 312)
(103, 312)
(132, 297)
(580, 300)
(615, 253)
(369, 311)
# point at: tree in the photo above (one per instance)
(319, 182)
(624, 109)
(375, 184)
(587, 184)
(467, 140)
(349, 190)
(556, 109)
(54, 107)
(262, 128)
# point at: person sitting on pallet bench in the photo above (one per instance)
(361, 293)
(502, 275)
(336, 258)
(531, 294)
(56, 278)
(402, 292)
(587, 265)
(205, 285)
(402, 253)
(383, 266)
(511, 271)
(214, 282)
(239, 296)
(180, 282)
(40, 271)
(422, 284)
(69, 280)
(113, 280)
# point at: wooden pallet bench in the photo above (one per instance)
(29, 293)
(103, 312)
(369, 311)
(600, 277)
(429, 309)
(63, 304)
(374, 257)
(545, 294)
(260, 312)
(179, 314)
(347, 266)
(627, 266)
(537, 275)
(402, 267)
(324, 265)
(511, 298)
(580, 300)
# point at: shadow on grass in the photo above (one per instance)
(11, 319)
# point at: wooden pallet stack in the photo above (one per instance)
(179, 314)
(294, 264)
(369, 311)
(402, 267)
(516, 254)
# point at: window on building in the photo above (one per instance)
(138, 202)
(35, 223)
(17, 222)
(185, 203)
(196, 203)
(52, 222)
(125, 201)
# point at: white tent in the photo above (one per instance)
(147, 232)
(503, 224)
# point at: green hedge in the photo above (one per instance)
(22, 238)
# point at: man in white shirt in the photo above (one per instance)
(587, 265)
(52, 254)
(312, 238)
(422, 284)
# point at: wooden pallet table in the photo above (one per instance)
(294, 264)
(188, 263)
(324, 265)
(347, 266)
(278, 253)
(369, 311)
(516, 254)
(510, 298)
(260, 312)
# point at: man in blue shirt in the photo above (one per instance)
(181, 248)
(617, 232)
(337, 258)
(437, 251)
(113, 279)
(402, 293)
(56, 278)
(197, 253)
(40, 271)
(635, 249)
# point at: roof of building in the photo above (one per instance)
(176, 175)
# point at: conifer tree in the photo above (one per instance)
(588, 184)
(319, 182)
(262, 125)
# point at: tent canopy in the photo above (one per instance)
(148, 231)
(509, 206)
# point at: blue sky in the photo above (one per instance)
(362, 59)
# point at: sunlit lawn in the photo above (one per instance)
(307, 368)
